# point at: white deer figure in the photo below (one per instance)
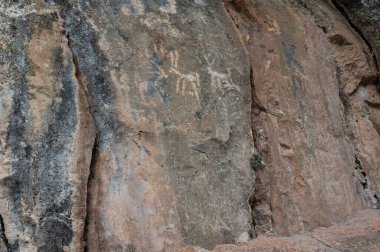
(187, 84)
(221, 81)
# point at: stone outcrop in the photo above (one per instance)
(360, 233)
(364, 18)
(310, 122)
(141, 125)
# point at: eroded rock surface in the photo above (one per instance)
(311, 124)
(364, 17)
(360, 233)
(152, 125)
(169, 97)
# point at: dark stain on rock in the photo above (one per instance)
(53, 187)
(41, 183)
(59, 232)
(289, 52)
(157, 81)
(93, 66)
(338, 39)
(298, 86)
(150, 87)
(18, 125)
(339, 75)
(344, 98)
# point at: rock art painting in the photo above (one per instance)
(189, 125)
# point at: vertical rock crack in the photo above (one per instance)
(94, 152)
(3, 237)
(258, 195)
(370, 193)
(77, 72)
(94, 155)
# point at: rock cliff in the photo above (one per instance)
(175, 125)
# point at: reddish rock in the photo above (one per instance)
(149, 125)
(360, 233)
(308, 94)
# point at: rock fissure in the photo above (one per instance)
(3, 237)
(373, 104)
(83, 92)
(78, 73)
(257, 106)
(259, 195)
(369, 192)
(93, 163)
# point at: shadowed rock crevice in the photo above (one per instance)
(4, 244)
(89, 199)
(369, 192)
(77, 72)
(257, 106)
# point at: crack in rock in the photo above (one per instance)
(4, 244)
(259, 195)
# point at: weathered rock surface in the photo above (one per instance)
(310, 121)
(361, 233)
(141, 125)
(364, 17)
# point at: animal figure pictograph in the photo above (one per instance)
(187, 83)
(220, 81)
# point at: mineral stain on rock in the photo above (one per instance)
(189, 125)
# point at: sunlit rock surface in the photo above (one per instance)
(142, 125)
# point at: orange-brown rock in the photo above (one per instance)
(146, 125)
(309, 115)
(360, 233)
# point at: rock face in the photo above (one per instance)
(310, 121)
(361, 233)
(364, 17)
(141, 125)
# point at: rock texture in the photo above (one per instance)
(364, 17)
(361, 233)
(310, 122)
(141, 125)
